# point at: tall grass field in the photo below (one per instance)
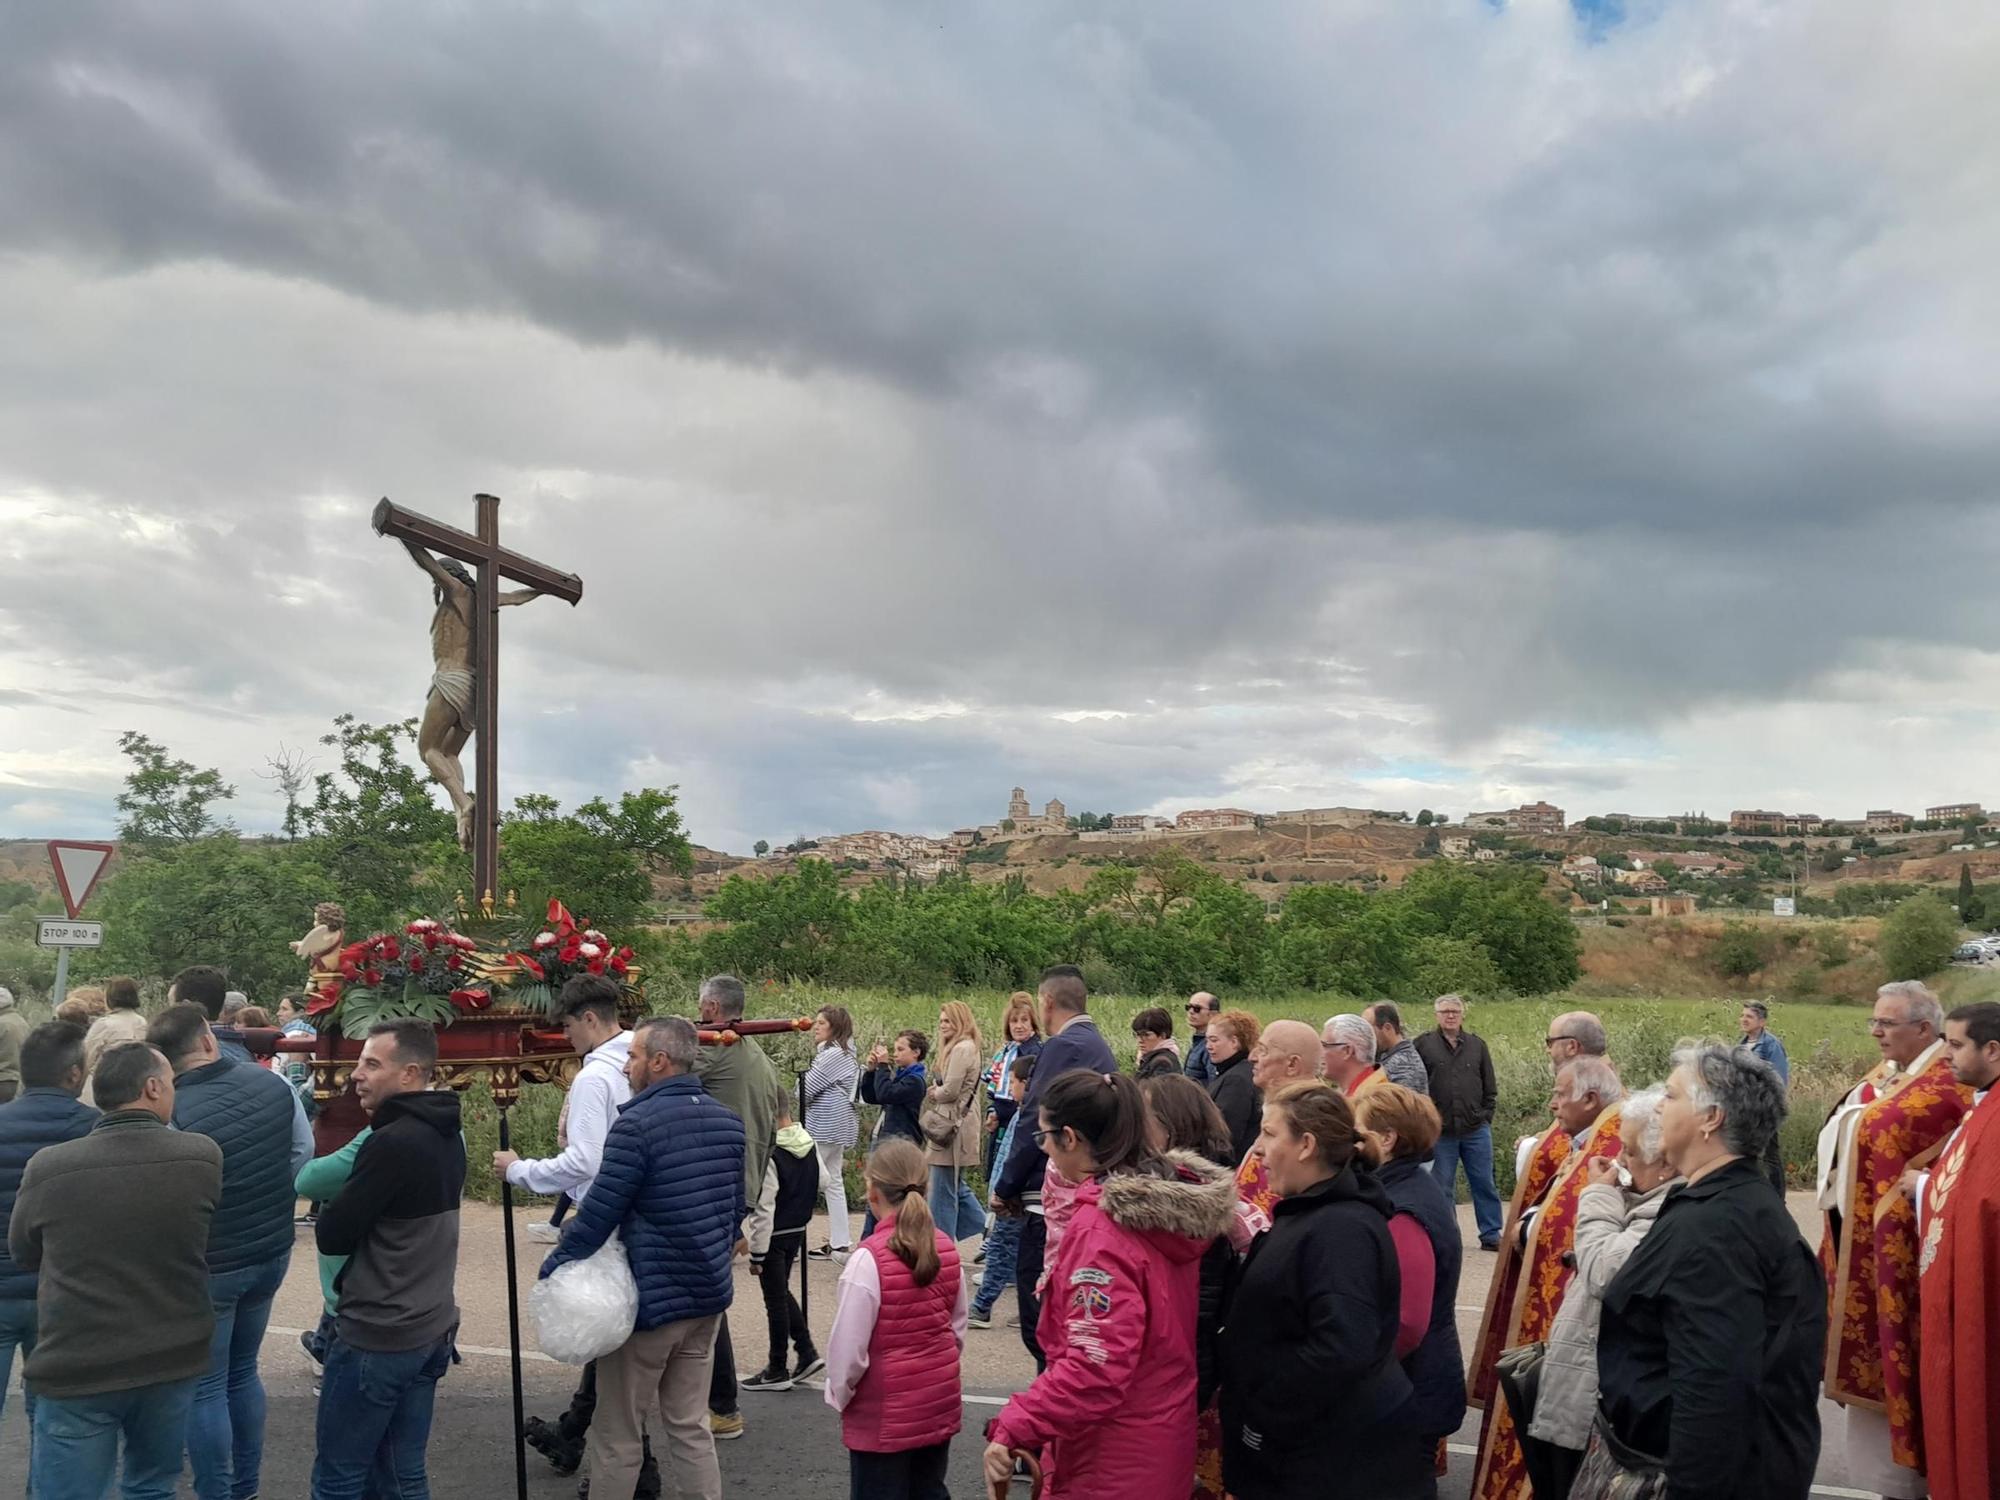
(1829, 1046)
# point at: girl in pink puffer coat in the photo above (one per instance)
(1114, 1412)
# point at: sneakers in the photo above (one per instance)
(809, 1365)
(979, 1319)
(722, 1428)
(544, 1231)
(770, 1378)
(546, 1438)
(827, 1252)
(314, 1354)
(980, 1258)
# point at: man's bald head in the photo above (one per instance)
(1287, 1050)
(1574, 1034)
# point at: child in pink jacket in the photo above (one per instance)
(1114, 1411)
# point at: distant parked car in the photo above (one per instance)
(1971, 953)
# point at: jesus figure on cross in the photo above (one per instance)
(450, 711)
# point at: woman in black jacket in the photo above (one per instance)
(1402, 1126)
(1231, 1036)
(1708, 1356)
(1313, 1397)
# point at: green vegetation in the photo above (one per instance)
(190, 890)
(1918, 937)
(1167, 925)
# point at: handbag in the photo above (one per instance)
(1520, 1375)
(1613, 1470)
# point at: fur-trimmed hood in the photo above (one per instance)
(1194, 1205)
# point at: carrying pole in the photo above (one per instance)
(805, 1264)
(513, 1323)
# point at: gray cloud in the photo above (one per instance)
(1331, 396)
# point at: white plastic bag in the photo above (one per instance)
(587, 1308)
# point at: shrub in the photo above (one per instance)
(1918, 938)
(1740, 950)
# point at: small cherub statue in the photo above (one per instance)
(321, 947)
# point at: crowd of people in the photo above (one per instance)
(1236, 1267)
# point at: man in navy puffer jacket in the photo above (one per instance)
(672, 1184)
(45, 1113)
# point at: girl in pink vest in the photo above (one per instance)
(1114, 1413)
(892, 1360)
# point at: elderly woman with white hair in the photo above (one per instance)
(1709, 1348)
(1613, 1214)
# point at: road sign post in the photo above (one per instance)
(78, 865)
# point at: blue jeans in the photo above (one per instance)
(375, 1421)
(225, 1436)
(76, 1443)
(954, 1209)
(1003, 1244)
(17, 1330)
(1475, 1151)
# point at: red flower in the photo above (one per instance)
(522, 960)
(595, 966)
(390, 949)
(454, 961)
(470, 1000)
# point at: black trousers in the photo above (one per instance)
(913, 1474)
(722, 1381)
(1028, 1271)
(561, 1210)
(781, 1308)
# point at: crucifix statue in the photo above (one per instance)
(463, 703)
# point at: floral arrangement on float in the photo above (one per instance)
(426, 973)
(531, 975)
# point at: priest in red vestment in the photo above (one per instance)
(1587, 1104)
(1896, 1118)
(1958, 1371)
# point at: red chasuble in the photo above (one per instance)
(1550, 1151)
(1872, 1324)
(1503, 1471)
(1959, 1372)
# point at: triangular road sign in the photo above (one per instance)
(77, 866)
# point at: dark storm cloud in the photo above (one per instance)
(1324, 392)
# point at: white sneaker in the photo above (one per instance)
(544, 1231)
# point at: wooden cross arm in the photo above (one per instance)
(393, 520)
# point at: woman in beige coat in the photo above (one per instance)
(951, 1119)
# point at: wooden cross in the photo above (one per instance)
(491, 562)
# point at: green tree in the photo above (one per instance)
(1970, 911)
(761, 848)
(166, 801)
(792, 927)
(387, 847)
(1425, 817)
(599, 860)
(1740, 950)
(1918, 937)
(1446, 965)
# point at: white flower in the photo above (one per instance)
(590, 950)
(545, 939)
(591, 934)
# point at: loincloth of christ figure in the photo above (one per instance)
(451, 707)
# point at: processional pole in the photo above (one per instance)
(513, 1311)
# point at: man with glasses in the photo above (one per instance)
(1465, 1091)
(1898, 1116)
(1201, 1009)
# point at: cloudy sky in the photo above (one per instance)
(1396, 402)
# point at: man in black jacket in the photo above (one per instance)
(1073, 1042)
(1465, 1091)
(396, 1318)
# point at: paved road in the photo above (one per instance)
(790, 1451)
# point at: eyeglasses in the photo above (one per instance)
(1040, 1137)
(1876, 1023)
(1550, 1041)
(1195, 1010)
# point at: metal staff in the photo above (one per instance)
(513, 1323)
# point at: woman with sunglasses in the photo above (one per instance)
(1115, 1407)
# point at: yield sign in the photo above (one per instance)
(77, 867)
